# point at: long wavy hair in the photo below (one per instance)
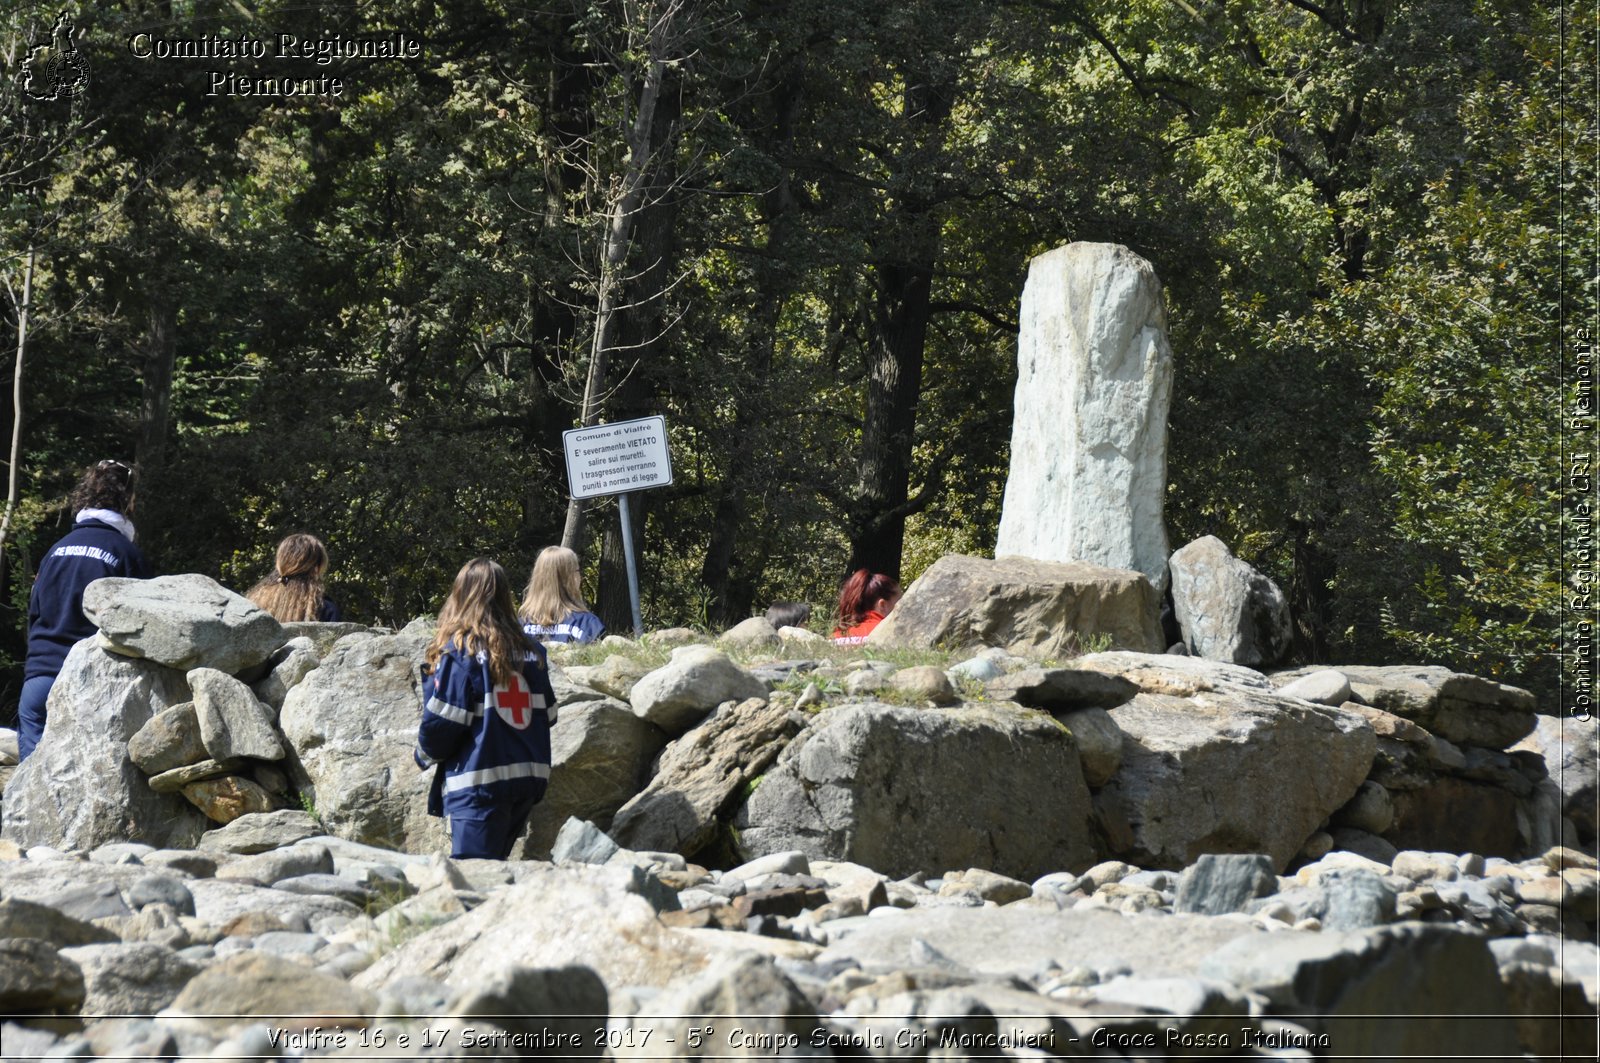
(294, 591)
(480, 616)
(554, 588)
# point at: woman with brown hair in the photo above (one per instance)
(294, 591)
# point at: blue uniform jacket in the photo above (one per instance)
(574, 627)
(491, 744)
(91, 550)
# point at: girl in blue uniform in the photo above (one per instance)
(486, 716)
(553, 609)
(99, 545)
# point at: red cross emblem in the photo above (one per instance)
(513, 702)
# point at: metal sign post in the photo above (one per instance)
(618, 459)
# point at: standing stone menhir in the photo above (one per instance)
(1089, 440)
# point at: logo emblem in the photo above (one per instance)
(514, 703)
(55, 71)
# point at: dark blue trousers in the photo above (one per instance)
(489, 832)
(30, 713)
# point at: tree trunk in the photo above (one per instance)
(622, 214)
(14, 479)
(155, 406)
(1309, 603)
(904, 281)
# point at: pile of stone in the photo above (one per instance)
(165, 723)
(274, 939)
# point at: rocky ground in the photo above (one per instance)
(271, 929)
(769, 846)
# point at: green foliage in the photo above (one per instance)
(370, 317)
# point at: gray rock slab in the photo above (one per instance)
(1227, 610)
(1015, 941)
(335, 886)
(130, 979)
(1438, 979)
(600, 757)
(239, 987)
(1273, 769)
(35, 979)
(233, 722)
(79, 789)
(162, 889)
(174, 780)
(274, 865)
(842, 789)
(581, 842)
(1217, 883)
(186, 621)
(352, 724)
(554, 1006)
(1325, 686)
(1465, 709)
(217, 902)
(31, 919)
(699, 772)
(1026, 606)
(564, 915)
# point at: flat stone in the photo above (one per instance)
(174, 780)
(259, 832)
(184, 622)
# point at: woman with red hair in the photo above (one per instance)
(866, 598)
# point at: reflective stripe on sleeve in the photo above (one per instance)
(526, 770)
(453, 713)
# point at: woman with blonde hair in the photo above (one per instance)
(487, 709)
(553, 609)
(294, 591)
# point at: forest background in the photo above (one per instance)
(799, 230)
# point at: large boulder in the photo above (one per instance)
(601, 754)
(1229, 770)
(1227, 610)
(1039, 608)
(696, 680)
(79, 789)
(183, 622)
(1089, 438)
(1571, 752)
(699, 773)
(352, 727)
(891, 788)
(1389, 992)
(1465, 709)
(561, 915)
